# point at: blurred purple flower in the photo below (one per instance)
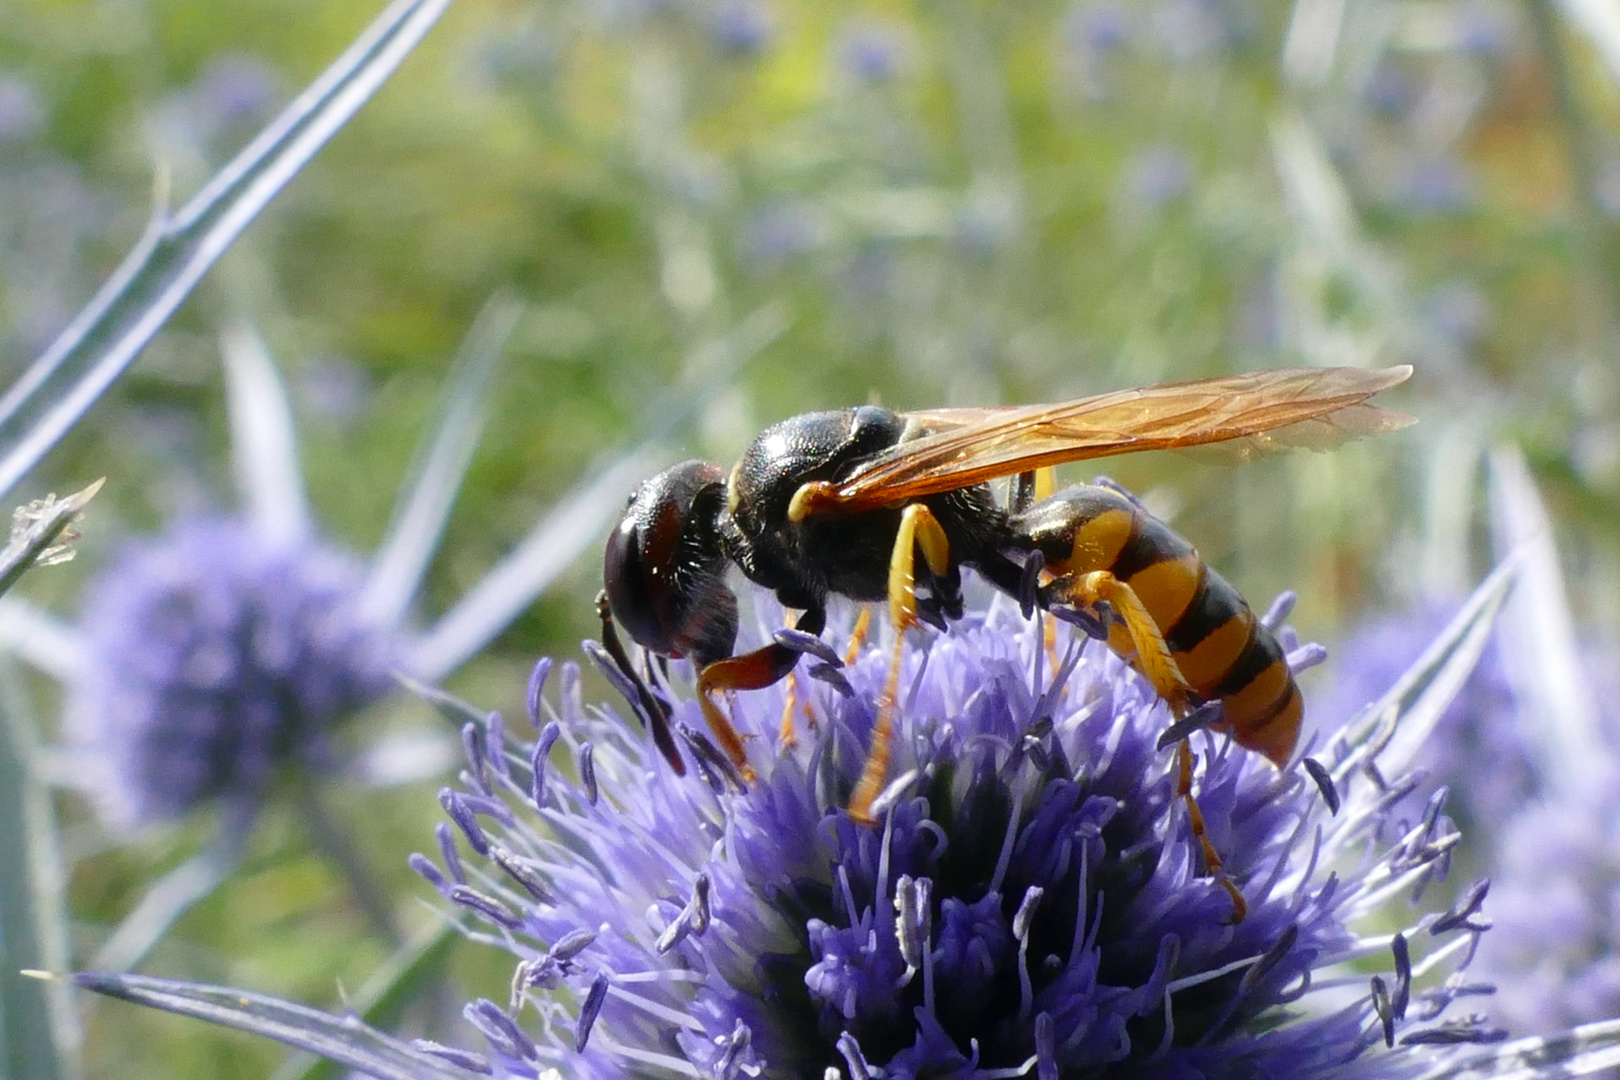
(1457, 312)
(1556, 906)
(335, 388)
(742, 27)
(780, 231)
(1434, 184)
(872, 53)
(212, 656)
(1484, 27)
(236, 91)
(1088, 37)
(225, 102)
(1099, 27)
(1158, 175)
(1391, 90)
(22, 113)
(1030, 905)
(1198, 29)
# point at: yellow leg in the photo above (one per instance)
(857, 637)
(918, 529)
(1153, 657)
(1045, 483)
(1212, 859)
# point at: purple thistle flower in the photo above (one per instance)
(1158, 175)
(872, 52)
(1031, 904)
(741, 27)
(1434, 183)
(212, 655)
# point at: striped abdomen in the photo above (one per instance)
(1215, 639)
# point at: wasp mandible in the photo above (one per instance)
(872, 504)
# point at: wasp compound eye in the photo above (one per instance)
(664, 567)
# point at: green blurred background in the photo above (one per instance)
(955, 202)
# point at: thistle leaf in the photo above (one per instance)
(178, 248)
(344, 1039)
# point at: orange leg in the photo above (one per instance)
(750, 671)
(918, 529)
(1212, 859)
(857, 636)
(1049, 640)
(786, 737)
(1156, 664)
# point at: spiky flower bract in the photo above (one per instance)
(1030, 903)
(212, 654)
(1530, 749)
(1477, 748)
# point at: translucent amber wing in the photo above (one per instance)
(1265, 409)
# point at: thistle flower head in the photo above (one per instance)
(1031, 902)
(214, 654)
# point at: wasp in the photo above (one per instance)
(875, 505)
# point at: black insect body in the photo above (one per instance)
(846, 554)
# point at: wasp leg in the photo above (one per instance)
(1049, 640)
(787, 736)
(1030, 488)
(1153, 659)
(750, 671)
(919, 529)
(1212, 859)
(857, 637)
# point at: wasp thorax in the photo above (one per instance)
(664, 568)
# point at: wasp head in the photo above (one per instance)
(665, 568)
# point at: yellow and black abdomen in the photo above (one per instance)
(1213, 636)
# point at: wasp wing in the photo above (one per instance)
(1263, 410)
